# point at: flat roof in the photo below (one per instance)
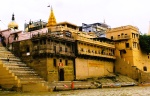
(65, 22)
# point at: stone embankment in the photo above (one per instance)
(113, 82)
(15, 74)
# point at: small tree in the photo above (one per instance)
(144, 42)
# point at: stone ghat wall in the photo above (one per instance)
(145, 77)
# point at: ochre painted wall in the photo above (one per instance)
(87, 68)
(141, 60)
(39, 65)
(124, 67)
(53, 71)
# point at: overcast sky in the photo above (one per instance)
(115, 12)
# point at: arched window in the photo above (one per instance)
(145, 68)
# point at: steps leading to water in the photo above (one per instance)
(131, 71)
(16, 74)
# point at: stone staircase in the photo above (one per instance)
(125, 81)
(117, 81)
(145, 77)
(16, 75)
(124, 67)
(131, 71)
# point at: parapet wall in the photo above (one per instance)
(123, 28)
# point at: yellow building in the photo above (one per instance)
(52, 56)
(86, 56)
(94, 58)
(51, 53)
(130, 59)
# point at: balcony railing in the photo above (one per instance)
(50, 51)
(58, 37)
(135, 40)
(124, 37)
(97, 55)
(96, 42)
(67, 53)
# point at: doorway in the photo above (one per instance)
(61, 75)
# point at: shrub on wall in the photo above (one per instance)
(144, 42)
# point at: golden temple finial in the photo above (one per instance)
(13, 24)
(51, 20)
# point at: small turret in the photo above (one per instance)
(13, 24)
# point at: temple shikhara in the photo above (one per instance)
(48, 51)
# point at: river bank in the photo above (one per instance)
(105, 82)
(91, 83)
(123, 91)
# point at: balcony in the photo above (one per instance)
(63, 38)
(124, 37)
(53, 36)
(35, 52)
(97, 55)
(135, 40)
(67, 54)
(50, 51)
(90, 41)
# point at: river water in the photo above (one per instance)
(124, 91)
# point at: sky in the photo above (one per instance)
(115, 12)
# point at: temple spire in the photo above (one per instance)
(149, 29)
(51, 20)
(13, 18)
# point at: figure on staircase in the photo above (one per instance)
(3, 41)
(0, 38)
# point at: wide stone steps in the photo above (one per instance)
(11, 58)
(20, 68)
(22, 71)
(31, 79)
(17, 73)
(33, 82)
(28, 76)
(5, 51)
(13, 64)
(25, 74)
(4, 54)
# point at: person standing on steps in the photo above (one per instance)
(8, 58)
(0, 40)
